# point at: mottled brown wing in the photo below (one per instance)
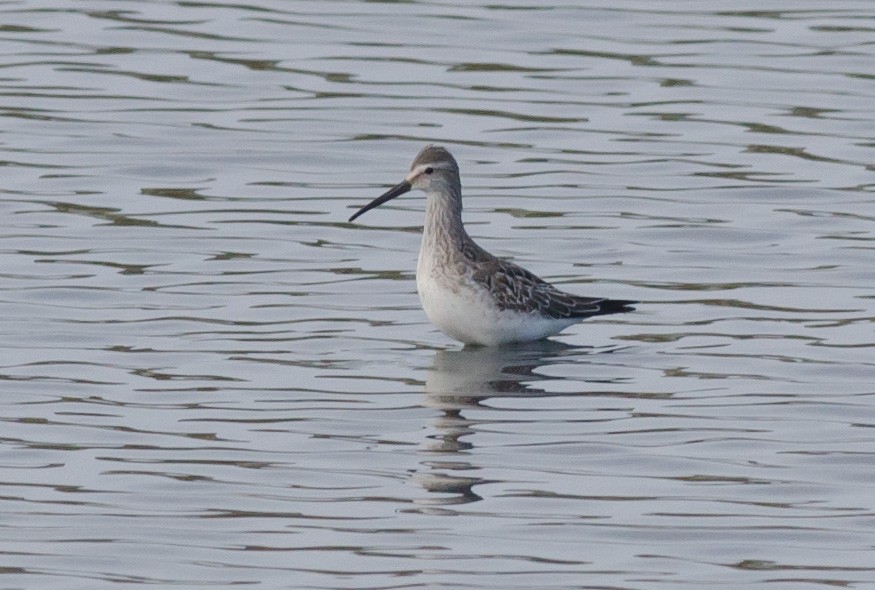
(516, 289)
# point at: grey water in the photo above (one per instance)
(208, 378)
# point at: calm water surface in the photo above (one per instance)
(210, 379)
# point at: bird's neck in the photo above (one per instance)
(443, 227)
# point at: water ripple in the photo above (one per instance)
(204, 366)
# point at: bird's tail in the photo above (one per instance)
(609, 306)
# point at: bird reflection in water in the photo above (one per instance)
(460, 380)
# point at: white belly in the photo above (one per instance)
(465, 312)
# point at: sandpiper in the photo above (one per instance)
(468, 293)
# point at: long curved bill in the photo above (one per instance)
(396, 191)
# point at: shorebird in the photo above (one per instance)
(469, 294)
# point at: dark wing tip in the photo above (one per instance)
(585, 307)
(609, 306)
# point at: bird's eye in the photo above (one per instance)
(429, 170)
